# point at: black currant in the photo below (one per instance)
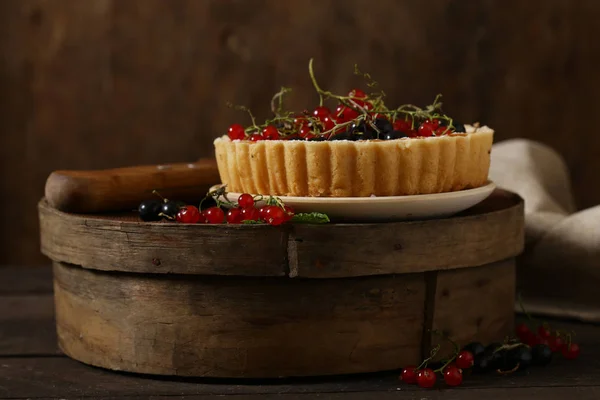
(342, 136)
(394, 135)
(483, 363)
(383, 125)
(475, 348)
(317, 139)
(541, 354)
(459, 128)
(170, 209)
(520, 357)
(362, 131)
(149, 210)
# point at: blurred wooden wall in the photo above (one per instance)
(104, 83)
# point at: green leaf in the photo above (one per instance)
(252, 222)
(310, 218)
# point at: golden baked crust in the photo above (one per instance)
(343, 168)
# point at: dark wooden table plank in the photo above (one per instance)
(32, 367)
(25, 280)
(63, 377)
(548, 393)
(27, 326)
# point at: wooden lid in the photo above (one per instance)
(488, 232)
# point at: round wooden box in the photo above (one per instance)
(257, 301)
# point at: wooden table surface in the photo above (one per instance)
(31, 366)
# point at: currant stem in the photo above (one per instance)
(432, 354)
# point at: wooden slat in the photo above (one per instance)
(490, 232)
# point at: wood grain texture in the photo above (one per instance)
(238, 327)
(59, 377)
(487, 233)
(106, 83)
(121, 189)
(470, 305)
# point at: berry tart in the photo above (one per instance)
(360, 149)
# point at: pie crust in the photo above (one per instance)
(361, 168)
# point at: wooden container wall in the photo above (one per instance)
(261, 301)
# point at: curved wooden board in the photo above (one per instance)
(245, 327)
(488, 232)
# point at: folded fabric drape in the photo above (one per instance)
(559, 272)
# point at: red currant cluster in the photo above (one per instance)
(451, 370)
(556, 341)
(358, 116)
(504, 358)
(244, 211)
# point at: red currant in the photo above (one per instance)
(409, 375)
(442, 130)
(306, 132)
(435, 123)
(289, 213)
(426, 378)
(321, 112)
(256, 137)
(274, 215)
(234, 216)
(345, 114)
(300, 121)
(188, 215)
(570, 351)
(245, 200)
(328, 124)
(402, 125)
(357, 94)
(556, 343)
(544, 332)
(250, 214)
(236, 132)
(426, 129)
(262, 212)
(522, 331)
(270, 133)
(214, 215)
(453, 376)
(464, 360)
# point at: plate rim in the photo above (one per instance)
(489, 186)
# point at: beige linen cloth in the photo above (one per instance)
(559, 272)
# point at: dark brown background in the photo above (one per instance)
(104, 83)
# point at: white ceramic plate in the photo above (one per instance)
(389, 208)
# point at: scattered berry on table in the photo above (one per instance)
(570, 351)
(426, 378)
(475, 348)
(544, 332)
(149, 210)
(465, 359)
(453, 376)
(409, 375)
(541, 354)
(556, 343)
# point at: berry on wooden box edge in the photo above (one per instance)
(217, 208)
